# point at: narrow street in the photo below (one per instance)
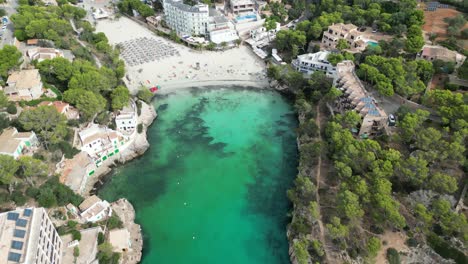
(7, 37)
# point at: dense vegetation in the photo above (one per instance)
(407, 181)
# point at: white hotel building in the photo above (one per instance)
(28, 236)
(311, 62)
(186, 19)
(198, 20)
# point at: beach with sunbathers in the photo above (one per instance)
(155, 61)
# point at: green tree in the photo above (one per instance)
(88, 103)
(46, 198)
(342, 45)
(373, 246)
(9, 58)
(442, 183)
(348, 205)
(414, 39)
(301, 252)
(3, 100)
(50, 125)
(4, 122)
(411, 123)
(336, 229)
(30, 167)
(270, 24)
(120, 97)
(8, 167)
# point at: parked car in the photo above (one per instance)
(391, 120)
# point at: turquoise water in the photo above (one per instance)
(212, 186)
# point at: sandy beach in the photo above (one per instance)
(237, 66)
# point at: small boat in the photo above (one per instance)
(155, 88)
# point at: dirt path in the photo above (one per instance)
(318, 121)
(394, 240)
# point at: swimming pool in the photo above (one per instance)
(372, 43)
(247, 17)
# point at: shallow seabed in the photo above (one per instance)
(212, 186)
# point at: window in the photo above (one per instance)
(19, 233)
(21, 222)
(27, 212)
(12, 216)
(15, 257)
(16, 244)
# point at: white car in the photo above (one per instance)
(3, 27)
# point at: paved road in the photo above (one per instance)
(7, 37)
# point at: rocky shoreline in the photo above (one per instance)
(137, 147)
(124, 209)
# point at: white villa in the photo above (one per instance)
(242, 6)
(41, 54)
(126, 120)
(100, 142)
(93, 209)
(348, 32)
(12, 142)
(24, 85)
(311, 62)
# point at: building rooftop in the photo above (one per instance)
(88, 202)
(320, 56)
(15, 228)
(58, 105)
(242, 2)
(198, 8)
(24, 79)
(10, 139)
(440, 52)
(94, 132)
(342, 27)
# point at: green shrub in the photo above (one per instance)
(32, 192)
(11, 109)
(18, 197)
(140, 128)
(145, 95)
(393, 256)
(72, 224)
(101, 238)
(76, 235)
(138, 105)
(114, 222)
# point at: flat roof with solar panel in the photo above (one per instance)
(26, 237)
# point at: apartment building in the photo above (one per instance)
(312, 62)
(186, 19)
(28, 236)
(348, 32)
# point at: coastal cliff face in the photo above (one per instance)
(140, 143)
(124, 209)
